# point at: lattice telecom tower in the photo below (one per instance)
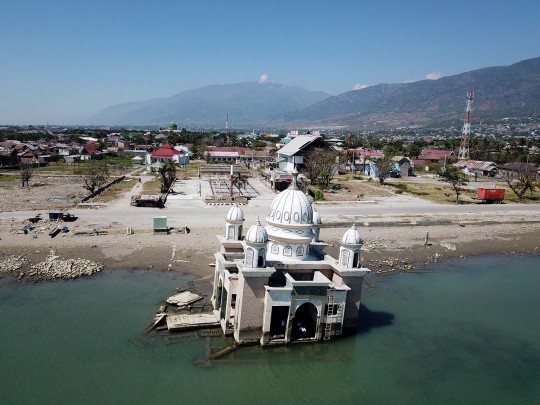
(466, 132)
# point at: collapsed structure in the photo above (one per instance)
(277, 285)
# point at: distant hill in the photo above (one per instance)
(499, 91)
(246, 103)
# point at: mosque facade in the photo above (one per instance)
(276, 285)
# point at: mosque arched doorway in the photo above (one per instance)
(304, 325)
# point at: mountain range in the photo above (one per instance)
(246, 103)
(499, 91)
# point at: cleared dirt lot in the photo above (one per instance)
(44, 193)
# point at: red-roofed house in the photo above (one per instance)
(435, 155)
(91, 151)
(226, 153)
(164, 154)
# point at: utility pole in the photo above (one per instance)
(466, 132)
(231, 180)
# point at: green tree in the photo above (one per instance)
(168, 176)
(456, 178)
(240, 181)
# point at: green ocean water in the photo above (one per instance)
(467, 333)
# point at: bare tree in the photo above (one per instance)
(521, 179)
(320, 165)
(26, 172)
(94, 174)
(383, 166)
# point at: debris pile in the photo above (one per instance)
(53, 268)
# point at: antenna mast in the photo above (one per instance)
(466, 132)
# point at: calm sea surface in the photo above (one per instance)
(468, 333)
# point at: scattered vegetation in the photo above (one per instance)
(456, 178)
(94, 174)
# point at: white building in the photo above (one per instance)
(276, 284)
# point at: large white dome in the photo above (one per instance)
(291, 208)
(352, 237)
(235, 214)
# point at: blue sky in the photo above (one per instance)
(63, 60)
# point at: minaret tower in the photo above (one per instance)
(233, 223)
(349, 252)
(256, 241)
(466, 132)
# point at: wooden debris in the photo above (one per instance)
(183, 299)
(191, 321)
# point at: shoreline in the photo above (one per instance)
(386, 249)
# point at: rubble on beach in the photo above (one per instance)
(53, 268)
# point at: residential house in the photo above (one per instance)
(530, 168)
(435, 155)
(292, 155)
(478, 167)
(8, 157)
(166, 153)
(230, 154)
(405, 165)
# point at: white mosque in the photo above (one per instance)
(277, 285)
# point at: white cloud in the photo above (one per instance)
(264, 78)
(359, 86)
(433, 76)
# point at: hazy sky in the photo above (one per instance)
(60, 60)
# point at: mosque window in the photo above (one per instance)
(300, 251)
(230, 235)
(275, 249)
(287, 251)
(345, 258)
(249, 258)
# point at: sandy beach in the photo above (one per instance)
(385, 247)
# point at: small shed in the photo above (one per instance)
(137, 160)
(160, 224)
(55, 215)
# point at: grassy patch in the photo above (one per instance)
(61, 168)
(7, 178)
(115, 191)
(151, 187)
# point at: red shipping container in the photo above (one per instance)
(491, 193)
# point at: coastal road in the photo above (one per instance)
(194, 213)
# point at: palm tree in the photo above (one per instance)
(240, 181)
(168, 175)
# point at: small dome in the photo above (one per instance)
(352, 237)
(257, 234)
(316, 216)
(235, 214)
(290, 207)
